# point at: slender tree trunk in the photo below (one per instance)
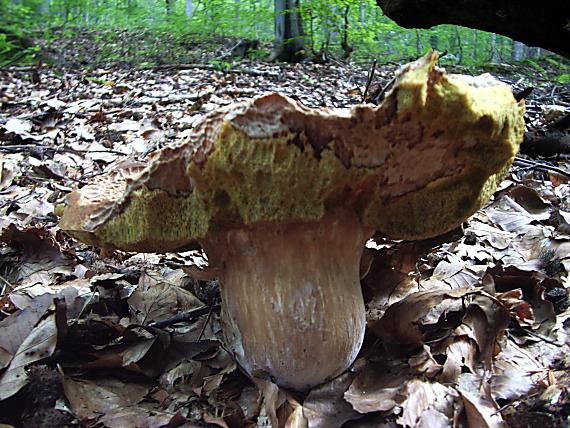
(189, 9)
(418, 43)
(388, 44)
(475, 46)
(237, 12)
(43, 7)
(433, 41)
(312, 31)
(346, 48)
(459, 46)
(535, 52)
(329, 27)
(169, 6)
(289, 37)
(518, 53)
(362, 13)
(495, 57)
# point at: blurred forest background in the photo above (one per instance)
(163, 31)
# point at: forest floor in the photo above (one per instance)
(76, 347)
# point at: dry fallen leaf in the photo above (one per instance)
(325, 405)
(40, 344)
(404, 322)
(481, 410)
(156, 300)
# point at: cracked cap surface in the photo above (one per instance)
(414, 167)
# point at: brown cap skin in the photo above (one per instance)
(414, 167)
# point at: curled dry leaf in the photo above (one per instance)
(325, 406)
(16, 328)
(480, 408)
(531, 201)
(377, 388)
(40, 344)
(403, 321)
(520, 310)
(533, 286)
(515, 372)
(487, 319)
(425, 403)
(113, 400)
(40, 256)
(460, 354)
(156, 300)
(425, 363)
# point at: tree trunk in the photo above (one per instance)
(494, 57)
(475, 56)
(418, 43)
(433, 41)
(459, 46)
(329, 30)
(169, 6)
(362, 13)
(189, 9)
(518, 51)
(289, 37)
(346, 48)
(43, 7)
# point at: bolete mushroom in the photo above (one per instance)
(283, 199)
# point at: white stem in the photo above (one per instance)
(291, 299)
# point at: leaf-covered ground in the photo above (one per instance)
(468, 329)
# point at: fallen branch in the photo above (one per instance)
(528, 164)
(185, 316)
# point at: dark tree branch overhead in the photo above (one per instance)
(536, 23)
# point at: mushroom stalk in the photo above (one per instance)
(291, 298)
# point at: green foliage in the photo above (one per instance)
(332, 28)
(220, 65)
(99, 81)
(15, 33)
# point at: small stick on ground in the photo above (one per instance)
(185, 316)
(369, 82)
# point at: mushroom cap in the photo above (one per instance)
(413, 167)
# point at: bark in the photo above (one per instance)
(494, 56)
(289, 36)
(189, 9)
(458, 46)
(169, 6)
(346, 48)
(534, 23)
(518, 53)
(43, 7)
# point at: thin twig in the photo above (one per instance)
(6, 284)
(369, 82)
(15, 148)
(376, 98)
(185, 316)
(206, 322)
(540, 166)
(539, 336)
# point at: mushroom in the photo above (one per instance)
(283, 198)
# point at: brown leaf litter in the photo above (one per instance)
(469, 329)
